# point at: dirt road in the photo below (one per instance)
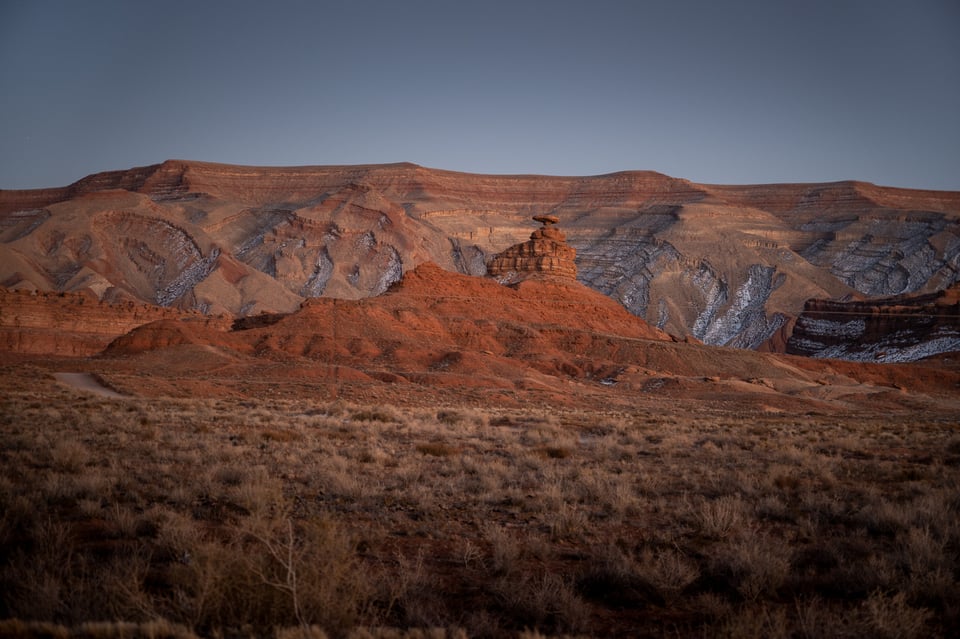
(88, 383)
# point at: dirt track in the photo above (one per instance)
(86, 382)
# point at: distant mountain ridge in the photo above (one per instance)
(729, 265)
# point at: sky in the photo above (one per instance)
(723, 92)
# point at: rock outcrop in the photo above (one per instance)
(897, 329)
(729, 265)
(546, 253)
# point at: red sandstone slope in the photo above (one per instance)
(434, 320)
(442, 335)
(430, 311)
(438, 336)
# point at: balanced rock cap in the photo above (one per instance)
(546, 220)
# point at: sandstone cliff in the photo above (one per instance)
(729, 265)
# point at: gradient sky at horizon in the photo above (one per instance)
(737, 92)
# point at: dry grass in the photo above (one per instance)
(313, 519)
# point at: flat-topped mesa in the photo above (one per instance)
(545, 253)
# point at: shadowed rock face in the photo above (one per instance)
(730, 265)
(898, 329)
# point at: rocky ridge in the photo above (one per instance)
(729, 265)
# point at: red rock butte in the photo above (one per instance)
(545, 253)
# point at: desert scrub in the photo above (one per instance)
(374, 415)
(545, 600)
(753, 563)
(721, 517)
(213, 514)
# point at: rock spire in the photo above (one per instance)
(545, 253)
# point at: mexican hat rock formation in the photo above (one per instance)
(545, 253)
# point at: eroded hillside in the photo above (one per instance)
(728, 265)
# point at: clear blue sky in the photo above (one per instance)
(741, 91)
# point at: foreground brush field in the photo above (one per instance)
(314, 515)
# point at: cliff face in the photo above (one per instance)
(898, 329)
(727, 265)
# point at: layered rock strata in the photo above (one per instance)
(545, 253)
(897, 329)
(729, 265)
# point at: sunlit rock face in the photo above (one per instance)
(897, 329)
(728, 265)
